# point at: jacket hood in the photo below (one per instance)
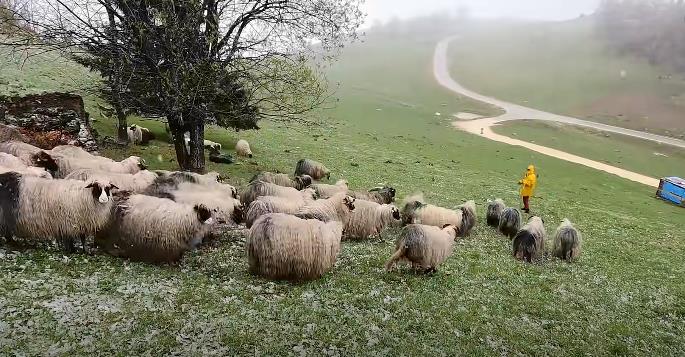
(531, 169)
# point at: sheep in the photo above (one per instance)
(382, 195)
(12, 163)
(227, 210)
(30, 155)
(335, 208)
(509, 222)
(212, 146)
(529, 242)
(242, 148)
(67, 165)
(285, 247)
(272, 204)
(468, 218)
(312, 168)
(495, 209)
(325, 191)
(42, 209)
(567, 241)
(139, 135)
(416, 211)
(369, 218)
(76, 152)
(298, 182)
(426, 247)
(169, 181)
(155, 230)
(258, 188)
(126, 182)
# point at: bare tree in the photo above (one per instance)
(230, 62)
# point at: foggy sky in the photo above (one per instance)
(384, 10)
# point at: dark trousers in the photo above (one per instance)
(526, 202)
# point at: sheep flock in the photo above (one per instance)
(295, 226)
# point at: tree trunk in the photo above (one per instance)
(177, 132)
(196, 158)
(122, 134)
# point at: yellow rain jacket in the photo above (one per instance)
(528, 182)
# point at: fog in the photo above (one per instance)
(384, 10)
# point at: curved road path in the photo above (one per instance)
(518, 112)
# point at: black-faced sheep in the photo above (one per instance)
(336, 208)
(325, 190)
(272, 204)
(468, 218)
(257, 188)
(43, 209)
(30, 155)
(312, 168)
(137, 183)
(368, 219)
(509, 222)
(155, 230)
(285, 247)
(382, 195)
(298, 182)
(227, 210)
(567, 241)
(12, 163)
(242, 148)
(529, 242)
(426, 247)
(139, 135)
(495, 209)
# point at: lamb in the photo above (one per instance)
(30, 155)
(509, 222)
(242, 148)
(335, 208)
(155, 230)
(43, 209)
(370, 218)
(299, 182)
(567, 241)
(529, 242)
(12, 163)
(382, 195)
(312, 168)
(272, 204)
(257, 188)
(285, 247)
(325, 191)
(137, 183)
(139, 135)
(426, 247)
(495, 209)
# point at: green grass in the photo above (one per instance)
(626, 295)
(564, 68)
(641, 156)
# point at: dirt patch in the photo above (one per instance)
(638, 112)
(467, 116)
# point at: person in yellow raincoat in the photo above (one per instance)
(528, 184)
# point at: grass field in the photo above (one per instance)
(564, 68)
(641, 156)
(625, 296)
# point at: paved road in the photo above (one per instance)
(517, 112)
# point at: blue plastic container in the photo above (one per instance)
(672, 189)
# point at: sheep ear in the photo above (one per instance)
(203, 214)
(445, 226)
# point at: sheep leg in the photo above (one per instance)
(67, 245)
(83, 244)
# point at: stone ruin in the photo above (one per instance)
(50, 119)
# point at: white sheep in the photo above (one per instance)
(312, 168)
(370, 218)
(155, 230)
(12, 163)
(285, 247)
(335, 208)
(137, 182)
(67, 165)
(325, 190)
(228, 210)
(426, 247)
(382, 195)
(43, 209)
(298, 182)
(257, 188)
(171, 179)
(415, 211)
(529, 242)
(567, 241)
(30, 155)
(242, 148)
(272, 204)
